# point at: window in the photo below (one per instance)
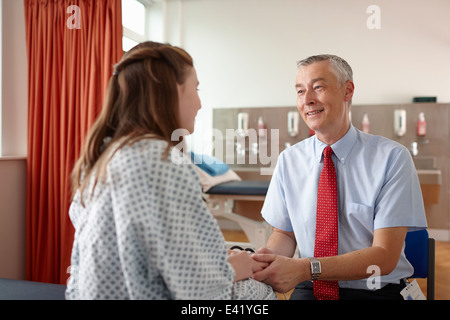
(135, 20)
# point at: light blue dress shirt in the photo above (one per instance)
(378, 187)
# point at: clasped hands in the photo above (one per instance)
(280, 272)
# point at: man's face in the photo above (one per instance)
(322, 101)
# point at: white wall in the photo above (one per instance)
(245, 51)
(13, 169)
(14, 80)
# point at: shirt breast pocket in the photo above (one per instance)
(360, 217)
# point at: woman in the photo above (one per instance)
(142, 230)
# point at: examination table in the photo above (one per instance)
(220, 200)
(29, 290)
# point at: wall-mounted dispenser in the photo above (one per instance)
(293, 118)
(243, 122)
(262, 131)
(400, 122)
(365, 123)
(421, 125)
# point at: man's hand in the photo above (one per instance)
(282, 273)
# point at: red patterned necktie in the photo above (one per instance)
(326, 243)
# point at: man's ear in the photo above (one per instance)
(349, 89)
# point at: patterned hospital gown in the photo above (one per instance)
(146, 234)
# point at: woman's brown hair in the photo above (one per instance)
(141, 99)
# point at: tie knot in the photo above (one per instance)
(327, 152)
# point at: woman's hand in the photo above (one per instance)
(283, 273)
(244, 265)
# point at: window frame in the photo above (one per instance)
(130, 34)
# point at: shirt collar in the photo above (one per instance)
(341, 148)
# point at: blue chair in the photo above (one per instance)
(420, 252)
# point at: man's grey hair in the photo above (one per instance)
(341, 67)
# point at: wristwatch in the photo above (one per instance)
(315, 268)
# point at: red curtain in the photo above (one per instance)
(72, 47)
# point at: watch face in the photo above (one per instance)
(316, 268)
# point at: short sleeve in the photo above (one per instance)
(274, 210)
(400, 201)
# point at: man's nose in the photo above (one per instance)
(310, 98)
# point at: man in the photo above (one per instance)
(378, 197)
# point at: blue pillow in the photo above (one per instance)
(212, 166)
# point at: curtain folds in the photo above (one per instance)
(72, 47)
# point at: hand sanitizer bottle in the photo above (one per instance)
(421, 125)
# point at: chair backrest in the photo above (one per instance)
(416, 251)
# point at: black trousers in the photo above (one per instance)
(304, 291)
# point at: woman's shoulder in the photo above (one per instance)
(148, 149)
(150, 153)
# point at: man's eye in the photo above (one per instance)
(300, 92)
(317, 87)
